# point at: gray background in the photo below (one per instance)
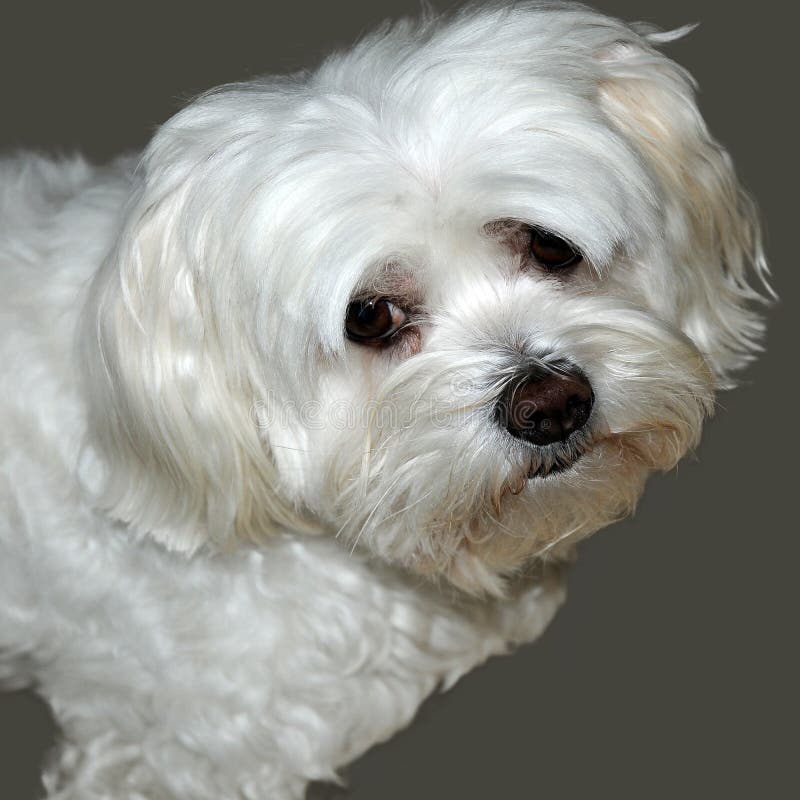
(671, 671)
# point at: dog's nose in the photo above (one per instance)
(546, 407)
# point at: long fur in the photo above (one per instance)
(237, 549)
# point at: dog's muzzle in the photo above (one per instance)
(546, 406)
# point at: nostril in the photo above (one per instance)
(547, 407)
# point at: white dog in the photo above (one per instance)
(303, 409)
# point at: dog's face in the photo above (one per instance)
(451, 297)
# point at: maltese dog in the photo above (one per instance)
(307, 406)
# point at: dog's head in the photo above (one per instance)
(453, 296)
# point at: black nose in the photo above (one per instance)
(546, 407)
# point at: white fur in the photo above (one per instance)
(220, 564)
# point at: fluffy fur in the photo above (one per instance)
(237, 549)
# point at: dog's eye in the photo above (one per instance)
(551, 252)
(373, 321)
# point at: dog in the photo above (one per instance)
(307, 407)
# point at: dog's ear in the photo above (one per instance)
(711, 227)
(169, 368)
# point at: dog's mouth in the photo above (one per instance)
(543, 471)
(540, 463)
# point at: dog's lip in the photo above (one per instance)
(561, 462)
(558, 468)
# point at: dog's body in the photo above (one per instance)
(217, 671)
(144, 666)
(141, 662)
